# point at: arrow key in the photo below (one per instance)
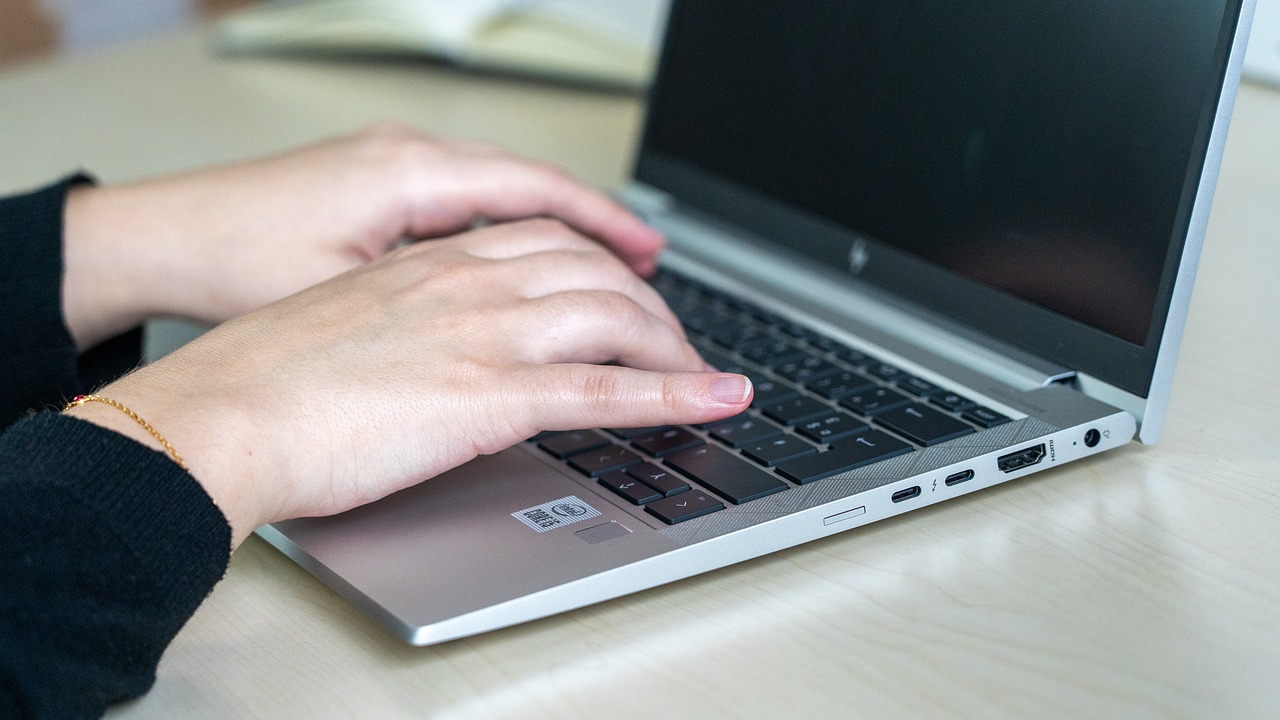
(684, 506)
(630, 488)
(659, 479)
(594, 463)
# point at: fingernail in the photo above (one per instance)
(730, 389)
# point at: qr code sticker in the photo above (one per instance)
(557, 513)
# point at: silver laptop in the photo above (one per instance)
(952, 243)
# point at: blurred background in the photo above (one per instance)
(33, 28)
(30, 29)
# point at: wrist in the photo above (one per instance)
(102, 287)
(205, 438)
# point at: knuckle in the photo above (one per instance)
(549, 170)
(401, 147)
(548, 226)
(467, 274)
(600, 392)
(617, 309)
(594, 265)
(394, 139)
(673, 398)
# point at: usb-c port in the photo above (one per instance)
(957, 478)
(907, 494)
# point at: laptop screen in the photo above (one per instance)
(1026, 168)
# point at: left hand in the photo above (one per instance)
(216, 243)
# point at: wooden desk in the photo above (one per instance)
(1142, 584)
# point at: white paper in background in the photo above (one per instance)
(1262, 57)
(451, 21)
(639, 23)
(87, 24)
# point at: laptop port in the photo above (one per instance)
(957, 478)
(907, 494)
(1021, 459)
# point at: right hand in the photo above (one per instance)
(215, 243)
(415, 363)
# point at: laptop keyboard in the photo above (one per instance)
(820, 408)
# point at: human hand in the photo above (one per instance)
(215, 243)
(415, 363)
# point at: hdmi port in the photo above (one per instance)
(1021, 459)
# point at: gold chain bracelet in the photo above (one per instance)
(82, 399)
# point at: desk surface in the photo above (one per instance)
(1142, 584)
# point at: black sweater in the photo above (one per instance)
(106, 546)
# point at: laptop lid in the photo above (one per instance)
(1037, 172)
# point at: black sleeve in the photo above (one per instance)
(39, 367)
(106, 549)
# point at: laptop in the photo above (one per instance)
(952, 243)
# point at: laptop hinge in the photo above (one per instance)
(1066, 377)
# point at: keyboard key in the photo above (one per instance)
(833, 427)
(769, 351)
(726, 474)
(572, 442)
(951, 401)
(720, 361)
(699, 319)
(732, 334)
(826, 344)
(922, 424)
(808, 368)
(984, 416)
(633, 433)
(764, 316)
(665, 442)
(795, 330)
(747, 308)
(843, 383)
(660, 479)
(771, 392)
(918, 387)
(686, 506)
(594, 463)
(861, 450)
(790, 412)
(743, 429)
(870, 402)
(779, 449)
(636, 492)
(885, 371)
(856, 358)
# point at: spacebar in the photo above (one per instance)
(726, 474)
(863, 450)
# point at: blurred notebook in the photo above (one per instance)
(609, 42)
